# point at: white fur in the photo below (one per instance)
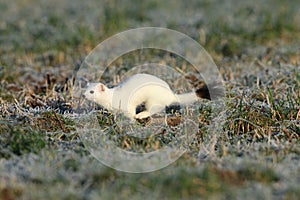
(138, 89)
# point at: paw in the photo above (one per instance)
(142, 115)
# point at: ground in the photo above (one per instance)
(255, 154)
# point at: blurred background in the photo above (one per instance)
(227, 28)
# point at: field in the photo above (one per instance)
(255, 154)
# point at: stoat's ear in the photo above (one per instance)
(101, 87)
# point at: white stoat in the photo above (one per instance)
(139, 88)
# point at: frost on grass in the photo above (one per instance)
(256, 153)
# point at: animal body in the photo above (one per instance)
(139, 89)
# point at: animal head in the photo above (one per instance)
(95, 92)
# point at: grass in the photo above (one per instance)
(19, 141)
(256, 153)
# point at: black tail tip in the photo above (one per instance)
(210, 91)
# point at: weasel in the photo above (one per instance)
(138, 89)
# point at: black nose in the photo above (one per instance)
(83, 96)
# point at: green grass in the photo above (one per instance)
(19, 140)
(254, 156)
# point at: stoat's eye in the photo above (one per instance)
(92, 91)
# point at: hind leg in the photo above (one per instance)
(150, 109)
(143, 114)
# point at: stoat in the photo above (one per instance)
(139, 89)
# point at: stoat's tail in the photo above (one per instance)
(202, 91)
(191, 97)
(187, 98)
